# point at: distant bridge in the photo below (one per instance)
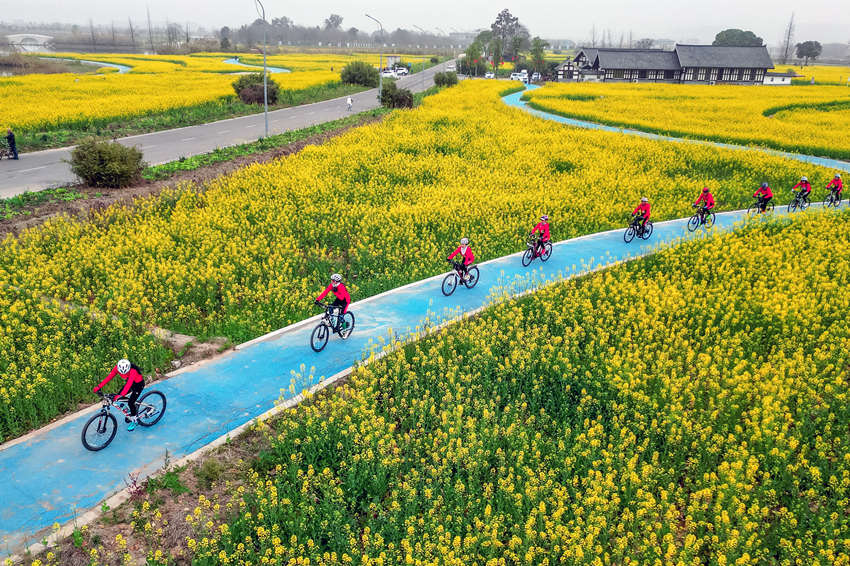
(29, 41)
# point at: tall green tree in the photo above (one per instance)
(538, 53)
(734, 37)
(809, 50)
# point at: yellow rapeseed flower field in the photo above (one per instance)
(800, 119)
(823, 74)
(381, 204)
(155, 84)
(688, 408)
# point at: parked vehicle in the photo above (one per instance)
(451, 67)
(535, 77)
(517, 77)
(388, 74)
(489, 75)
(401, 71)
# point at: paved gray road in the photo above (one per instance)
(42, 169)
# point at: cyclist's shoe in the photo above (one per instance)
(132, 426)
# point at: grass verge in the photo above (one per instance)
(17, 205)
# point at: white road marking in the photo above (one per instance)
(32, 169)
(187, 139)
(224, 132)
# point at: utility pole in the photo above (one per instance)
(265, 68)
(380, 58)
(788, 41)
(423, 58)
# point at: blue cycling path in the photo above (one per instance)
(50, 478)
(516, 100)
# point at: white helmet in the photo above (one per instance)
(544, 218)
(336, 277)
(838, 175)
(644, 199)
(123, 366)
(804, 178)
(464, 241)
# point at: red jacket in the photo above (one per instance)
(543, 228)
(643, 208)
(133, 376)
(805, 186)
(765, 191)
(837, 183)
(340, 292)
(468, 256)
(707, 198)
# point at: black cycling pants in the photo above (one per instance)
(135, 391)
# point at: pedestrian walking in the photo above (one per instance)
(350, 103)
(10, 139)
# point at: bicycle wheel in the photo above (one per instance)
(710, 219)
(547, 251)
(753, 209)
(804, 204)
(792, 206)
(527, 257)
(473, 278)
(449, 284)
(693, 222)
(319, 338)
(99, 431)
(630, 234)
(769, 208)
(151, 407)
(647, 231)
(347, 325)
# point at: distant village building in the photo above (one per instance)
(695, 64)
(780, 79)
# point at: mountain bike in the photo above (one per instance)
(99, 430)
(469, 280)
(832, 199)
(532, 252)
(799, 201)
(643, 231)
(755, 208)
(331, 323)
(702, 217)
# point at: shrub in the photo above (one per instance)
(434, 60)
(249, 88)
(360, 73)
(394, 97)
(449, 78)
(106, 164)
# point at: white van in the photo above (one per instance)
(517, 77)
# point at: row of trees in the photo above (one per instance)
(506, 40)
(807, 50)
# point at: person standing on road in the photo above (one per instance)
(10, 139)
(350, 103)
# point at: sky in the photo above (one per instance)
(827, 21)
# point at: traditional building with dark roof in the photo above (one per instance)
(706, 64)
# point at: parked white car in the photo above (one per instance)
(535, 77)
(401, 71)
(450, 67)
(518, 77)
(489, 75)
(388, 74)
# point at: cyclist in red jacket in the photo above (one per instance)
(342, 298)
(465, 252)
(707, 200)
(764, 194)
(805, 188)
(543, 228)
(644, 209)
(836, 185)
(135, 382)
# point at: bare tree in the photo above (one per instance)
(91, 29)
(150, 31)
(788, 42)
(132, 33)
(593, 36)
(113, 33)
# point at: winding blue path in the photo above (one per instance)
(235, 61)
(49, 476)
(121, 68)
(516, 100)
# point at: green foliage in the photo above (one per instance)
(448, 78)
(360, 73)
(734, 37)
(169, 479)
(809, 50)
(394, 97)
(209, 472)
(249, 88)
(106, 164)
(434, 60)
(13, 206)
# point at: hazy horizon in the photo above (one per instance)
(821, 20)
